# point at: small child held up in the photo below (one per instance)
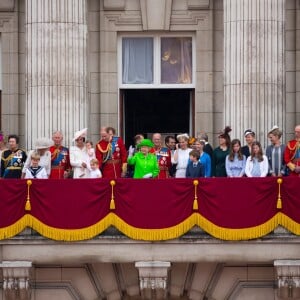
(95, 172)
(35, 171)
(194, 168)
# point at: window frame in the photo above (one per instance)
(156, 61)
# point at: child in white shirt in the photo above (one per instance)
(95, 172)
(35, 171)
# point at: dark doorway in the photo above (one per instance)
(156, 110)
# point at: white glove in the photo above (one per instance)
(149, 175)
(130, 151)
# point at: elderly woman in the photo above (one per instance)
(145, 163)
(41, 147)
(181, 155)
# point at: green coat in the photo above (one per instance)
(144, 164)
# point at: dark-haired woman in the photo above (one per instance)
(235, 160)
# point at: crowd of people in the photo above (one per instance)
(179, 157)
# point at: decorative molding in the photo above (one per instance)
(62, 285)
(240, 285)
(198, 4)
(187, 18)
(124, 19)
(16, 277)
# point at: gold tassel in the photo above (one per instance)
(279, 202)
(195, 204)
(112, 201)
(28, 205)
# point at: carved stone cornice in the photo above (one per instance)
(187, 17)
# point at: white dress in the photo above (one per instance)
(182, 162)
(77, 157)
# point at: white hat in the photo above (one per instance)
(80, 133)
(273, 128)
(43, 143)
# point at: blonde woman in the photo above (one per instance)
(181, 155)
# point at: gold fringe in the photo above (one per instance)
(112, 205)
(14, 229)
(155, 234)
(279, 202)
(238, 234)
(289, 224)
(28, 205)
(195, 203)
(71, 234)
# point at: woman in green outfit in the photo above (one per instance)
(145, 163)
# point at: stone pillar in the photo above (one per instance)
(56, 68)
(16, 276)
(153, 277)
(254, 66)
(288, 276)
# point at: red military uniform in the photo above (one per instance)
(163, 156)
(112, 157)
(292, 156)
(60, 161)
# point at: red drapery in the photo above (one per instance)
(146, 209)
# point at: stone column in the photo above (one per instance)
(56, 68)
(16, 276)
(254, 66)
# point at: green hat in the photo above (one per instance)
(145, 142)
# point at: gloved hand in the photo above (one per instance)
(297, 169)
(130, 151)
(149, 175)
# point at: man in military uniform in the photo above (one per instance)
(60, 158)
(111, 154)
(13, 159)
(292, 154)
(163, 155)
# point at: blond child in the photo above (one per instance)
(35, 170)
(95, 172)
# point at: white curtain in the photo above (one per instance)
(137, 60)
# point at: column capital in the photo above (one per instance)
(288, 276)
(16, 277)
(153, 277)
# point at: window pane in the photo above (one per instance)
(176, 60)
(137, 60)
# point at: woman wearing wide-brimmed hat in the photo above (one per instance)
(145, 163)
(79, 155)
(41, 147)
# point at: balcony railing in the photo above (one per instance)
(149, 209)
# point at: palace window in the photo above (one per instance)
(152, 61)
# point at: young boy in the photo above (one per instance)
(35, 171)
(194, 168)
(95, 172)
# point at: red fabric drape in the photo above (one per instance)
(147, 204)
